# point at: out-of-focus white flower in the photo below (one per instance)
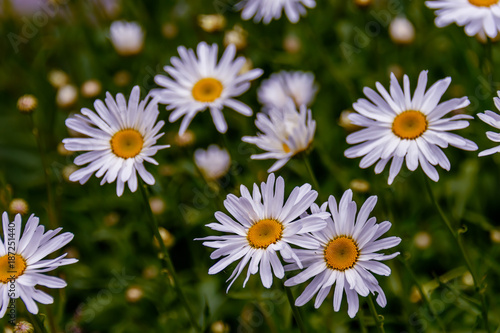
(127, 37)
(280, 87)
(212, 23)
(401, 31)
(91, 88)
(213, 162)
(67, 96)
(267, 10)
(286, 132)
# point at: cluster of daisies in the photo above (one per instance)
(331, 244)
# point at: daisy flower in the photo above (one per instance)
(480, 17)
(22, 262)
(198, 83)
(213, 162)
(267, 10)
(492, 119)
(126, 37)
(297, 85)
(119, 138)
(347, 256)
(400, 127)
(261, 227)
(286, 132)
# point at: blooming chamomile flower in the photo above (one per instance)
(286, 132)
(120, 138)
(213, 162)
(22, 262)
(347, 256)
(263, 226)
(199, 83)
(480, 17)
(400, 127)
(493, 119)
(127, 37)
(297, 85)
(267, 10)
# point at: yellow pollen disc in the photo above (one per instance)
(207, 90)
(11, 267)
(286, 149)
(341, 253)
(127, 143)
(409, 124)
(483, 3)
(264, 233)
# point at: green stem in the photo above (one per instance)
(311, 173)
(379, 320)
(362, 323)
(168, 260)
(295, 310)
(37, 322)
(51, 211)
(425, 298)
(457, 236)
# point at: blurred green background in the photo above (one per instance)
(118, 285)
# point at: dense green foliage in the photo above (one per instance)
(347, 48)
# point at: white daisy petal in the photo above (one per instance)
(492, 119)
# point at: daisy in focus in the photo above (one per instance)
(400, 127)
(213, 163)
(119, 139)
(480, 17)
(347, 256)
(127, 37)
(198, 83)
(286, 132)
(261, 226)
(493, 119)
(267, 10)
(28, 263)
(299, 86)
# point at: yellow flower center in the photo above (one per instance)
(264, 233)
(286, 149)
(11, 267)
(341, 253)
(207, 90)
(409, 124)
(483, 3)
(127, 143)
